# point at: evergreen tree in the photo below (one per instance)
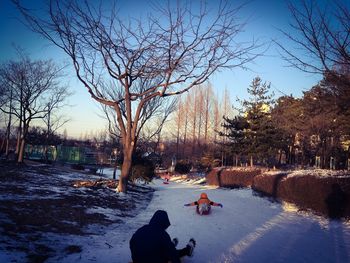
(261, 135)
(252, 132)
(235, 134)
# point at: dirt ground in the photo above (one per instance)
(39, 204)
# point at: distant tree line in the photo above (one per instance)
(312, 130)
(30, 92)
(192, 132)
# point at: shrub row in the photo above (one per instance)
(232, 177)
(327, 195)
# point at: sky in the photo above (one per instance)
(264, 20)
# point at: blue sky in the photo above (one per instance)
(264, 19)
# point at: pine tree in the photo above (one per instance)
(235, 134)
(261, 135)
(252, 133)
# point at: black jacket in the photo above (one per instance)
(152, 244)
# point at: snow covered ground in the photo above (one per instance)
(248, 229)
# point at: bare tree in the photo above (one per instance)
(151, 122)
(321, 37)
(174, 49)
(193, 118)
(6, 101)
(216, 118)
(200, 112)
(32, 85)
(208, 101)
(178, 122)
(185, 108)
(53, 119)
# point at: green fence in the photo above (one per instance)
(66, 154)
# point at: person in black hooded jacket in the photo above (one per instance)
(152, 244)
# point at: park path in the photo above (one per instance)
(248, 229)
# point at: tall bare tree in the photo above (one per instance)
(217, 116)
(185, 108)
(208, 101)
(320, 36)
(53, 119)
(175, 48)
(179, 114)
(32, 85)
(321, 41)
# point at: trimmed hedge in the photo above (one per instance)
(327, 195)
(232, 177)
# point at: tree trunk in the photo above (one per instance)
(18, 144)
(3, 145)
(8, 131)
(21, 151)
(185, 136)
(7, 149)
(126, 169)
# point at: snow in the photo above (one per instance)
(248, 229)
(321, 173)
(108, 172)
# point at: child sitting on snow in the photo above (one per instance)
(204, 204)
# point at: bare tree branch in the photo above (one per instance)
(176, 47)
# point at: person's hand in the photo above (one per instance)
(175, 241)
(221, 205)
(186, 204)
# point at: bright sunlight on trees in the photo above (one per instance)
(176, 47)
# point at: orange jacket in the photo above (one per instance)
(204, 200)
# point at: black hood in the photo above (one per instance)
(160, 219)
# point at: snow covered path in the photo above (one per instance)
(248, 229)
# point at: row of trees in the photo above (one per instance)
(297, 129)
(197, 119)
(316, 124)
(30, 91)
(125, 64)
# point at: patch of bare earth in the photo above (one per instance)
(42, 205)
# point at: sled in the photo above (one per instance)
(165, 182)
(206, 212)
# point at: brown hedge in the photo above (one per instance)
(232, 177)
(327, 195)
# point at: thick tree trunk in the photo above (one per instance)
(21, 151)
(126, 170)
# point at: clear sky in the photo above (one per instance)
(265, 16)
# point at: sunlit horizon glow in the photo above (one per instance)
(264, 18)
